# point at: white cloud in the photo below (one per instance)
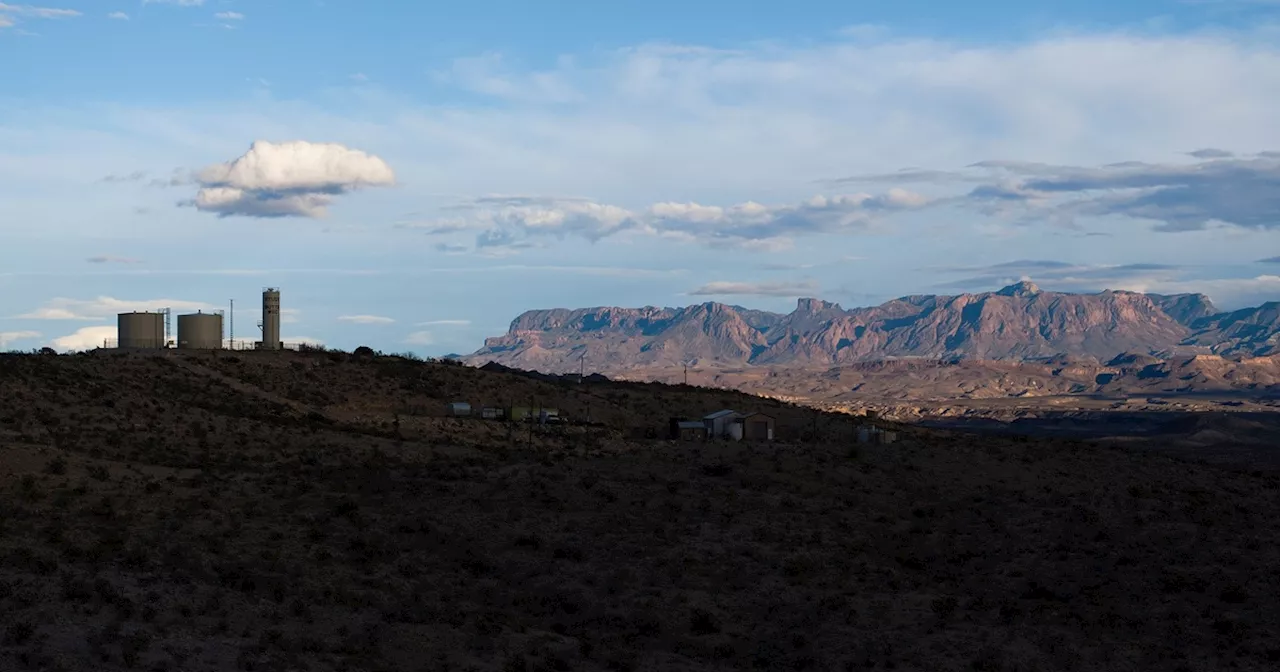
(296, 178)
(104, 307)
(112, 259)
(37, 12)
(120, 16)
(290, 315)
(86, 338)
(508, 222)
(420, 338)
(365, 319)
(787, 289)
(303, 340)
(8, 338)
(445, 323)
(229, 16)
(6, 22)
(180, 3)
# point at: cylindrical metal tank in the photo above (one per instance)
(271, 319)
(200, 331)
(140, 330)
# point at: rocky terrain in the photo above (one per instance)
(316, 511)
(1017, 323)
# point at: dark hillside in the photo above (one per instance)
(261, 512)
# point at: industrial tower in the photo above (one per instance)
(270, 318)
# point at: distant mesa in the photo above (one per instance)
(1020, 322)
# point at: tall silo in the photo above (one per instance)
(200, 331)
(271, 318)
(140, 330)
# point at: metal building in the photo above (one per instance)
(270, 319)
(140, 330)
(200, 331)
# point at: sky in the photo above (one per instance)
(414, 175)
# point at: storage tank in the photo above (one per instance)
(140, 330)
(271, 318)
(200, 331)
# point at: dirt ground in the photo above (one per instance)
(315, 513)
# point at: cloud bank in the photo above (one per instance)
(512, 222)
(104, 307)
(1219, 189)
(288, 179)
(86, 338)
(784, 289)
(365, 319)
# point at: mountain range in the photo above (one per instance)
(1019, 322)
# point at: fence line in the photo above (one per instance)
(238, 345)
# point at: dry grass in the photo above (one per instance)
(268, 514)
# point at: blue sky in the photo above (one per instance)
(423, 172)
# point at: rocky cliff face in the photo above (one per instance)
(1249, 331)
(1019, 322)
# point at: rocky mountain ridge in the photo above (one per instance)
(1019, 322)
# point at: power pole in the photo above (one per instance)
(686, 373)
(232, 318)
(582, 366)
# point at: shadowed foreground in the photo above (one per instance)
(251, 513)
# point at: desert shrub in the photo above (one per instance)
(56, 466)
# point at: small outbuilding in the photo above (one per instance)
(874, 434)
(688, 430)
(725, 424)
(458, 409)
(758, 427)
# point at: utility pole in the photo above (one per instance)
(232, 318)
(686, 373)
(582, 366)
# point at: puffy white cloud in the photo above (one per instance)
(229, 16)
(420, 338)
(86, 338)
(365, 319)
(103, 307)
(786, 289)
(119, 16)
(288, 179)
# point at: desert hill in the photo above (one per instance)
(316, 511)
(1017, 323)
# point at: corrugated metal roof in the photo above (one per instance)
(728, 412)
